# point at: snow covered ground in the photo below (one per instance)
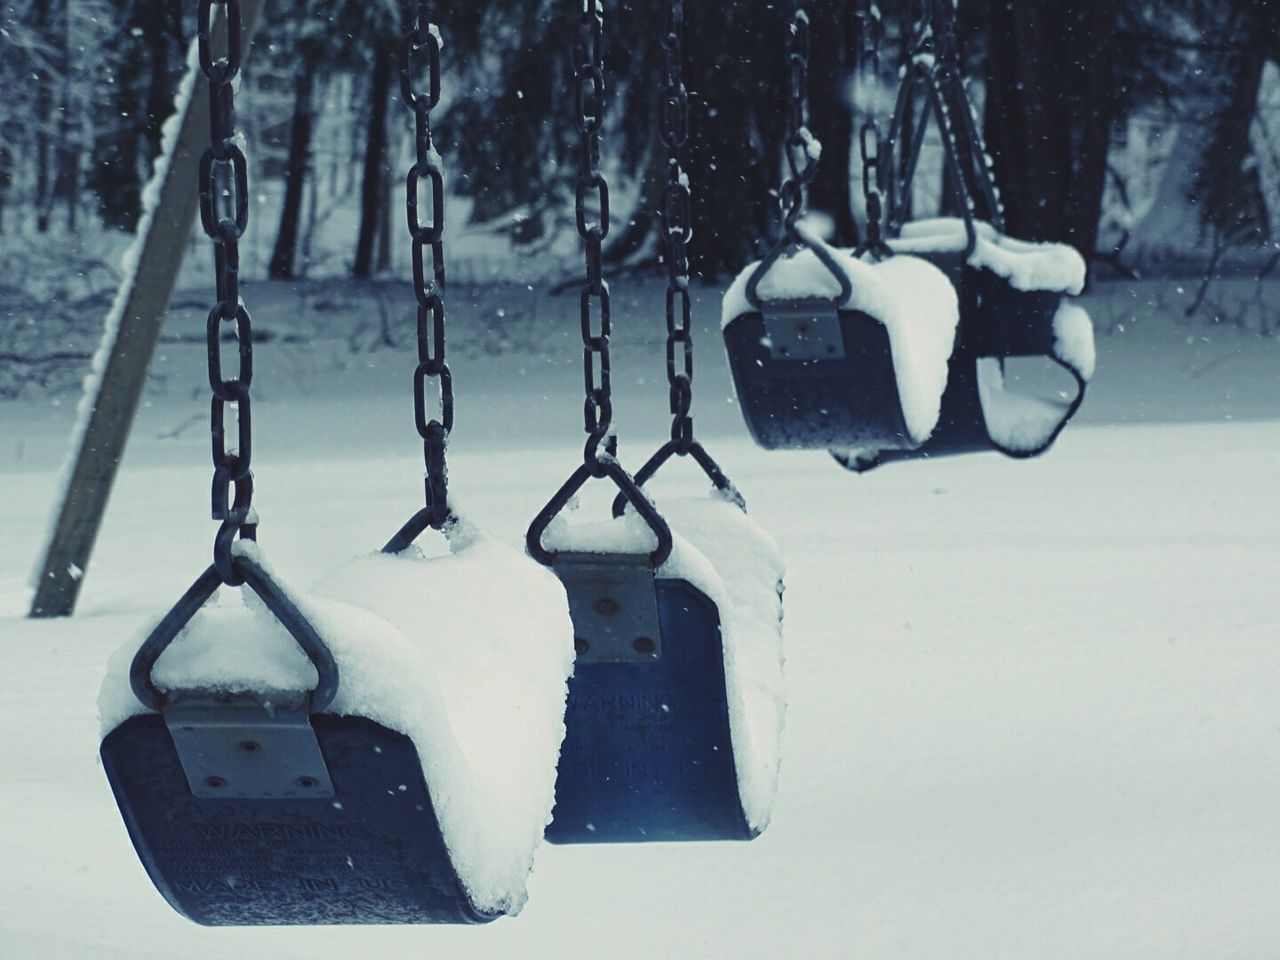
(1032, 706)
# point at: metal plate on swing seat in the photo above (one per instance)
(245, 749)
(648, 750)
(803, 330)
(614, 606)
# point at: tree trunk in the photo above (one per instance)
(374, 159)
(1229, 190)
(300, 129)
(43, 121)
(1050, 107)
(385, 218)
(646, 219)
(737, 110)
(831, 117)
(6, 180)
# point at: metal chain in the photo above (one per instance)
(422, 37)
(224, 215)
(677, 224)
(600, 453)
(870, 30)
(593, 226)
(802, 148)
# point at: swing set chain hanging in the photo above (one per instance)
(422, 37)
(677, 223)
(677, 230)
(870, 142)
(591, 207)
(224, 216)
(941, 16)
(802, 147)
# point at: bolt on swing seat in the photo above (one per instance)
(653, 740)
(829, 350)
(267, 776)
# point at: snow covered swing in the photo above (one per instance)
(298, 760)
(675, 706)
(898, 350)
(829, 349)
(1013, 294)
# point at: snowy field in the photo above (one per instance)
(1033, 707)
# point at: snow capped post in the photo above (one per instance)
(130, 331)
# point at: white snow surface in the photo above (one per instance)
(476, 678)
(1074, 343)
(1024, 422)
(1016, 421)
(1032, 707)
(750, 569)
(912, 298)
(722, 553)
(492, 629)
(1027, 266)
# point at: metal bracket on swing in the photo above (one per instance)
(613, 601)
(242, 748)
(803, 330)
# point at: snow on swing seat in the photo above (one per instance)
(474, 674)
(1048, 267)
(1022, 423)
(1032, 317)
(912, 299)
(1014, 304)
(724, 555)
(750, 571)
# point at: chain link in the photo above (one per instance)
(224, 216)
(802, 148)
(421, 38)
(870, 23)
(591, 212)
(677, 227)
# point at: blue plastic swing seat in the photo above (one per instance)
(828, 349)
(809, 376)
(648, 754)
(249, 828)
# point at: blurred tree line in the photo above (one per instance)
(88, 84)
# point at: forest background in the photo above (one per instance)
(1144, 132)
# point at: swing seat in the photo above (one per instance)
(655, 746)
(827, 350)
(247, 806)
(1014, 304)
(1015, 285)
(275, 835)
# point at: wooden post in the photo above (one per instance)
(146, 291)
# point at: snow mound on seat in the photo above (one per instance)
(492, 629)
(737, 566)
(1025, 423)
(1015, 421)
(751, 569)
(1054, 267)
(1074, 344)
(476, 678)
(912, 298)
